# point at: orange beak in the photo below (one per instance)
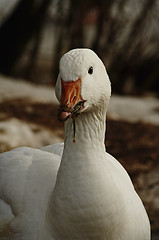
(71, 100)
(71, 93)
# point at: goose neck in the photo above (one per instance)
(87, 130)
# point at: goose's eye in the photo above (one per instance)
(90, 70)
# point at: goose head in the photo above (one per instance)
(82, 85)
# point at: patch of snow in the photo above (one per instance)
(14, 132)
(134, 109)
(17, 88)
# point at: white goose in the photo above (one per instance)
(85, 194)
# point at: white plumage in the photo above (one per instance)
(75, 192)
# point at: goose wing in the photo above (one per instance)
(27, 178)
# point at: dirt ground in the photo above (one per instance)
(135, 145)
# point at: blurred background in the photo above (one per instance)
(125, 34)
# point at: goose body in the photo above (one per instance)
(75, 190)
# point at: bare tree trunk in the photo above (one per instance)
(103, 20)
(57, 54)
(75, 23)
(18, 29)
(122, 63)
(30, 66)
